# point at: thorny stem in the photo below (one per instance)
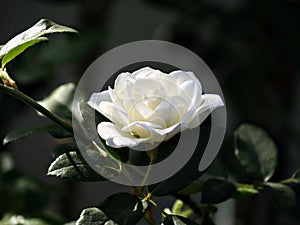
(31, 102)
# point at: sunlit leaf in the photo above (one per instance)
(71, 166)
(31, 36)
(19, 49)
(93, 216)
(177, 220)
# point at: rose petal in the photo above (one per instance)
(97, 98)
(116, 138)
(114, 114)
(210, 103)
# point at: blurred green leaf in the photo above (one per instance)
(6, 163)
(216, 191)
(20, 220)
(124, 208)
(60, 101)
(177, 207)
(31, 36)
(22, 194)
(53, 129)
(255, 151)
(177, 220)
(71, 166)
(281, 195)
(193, 188)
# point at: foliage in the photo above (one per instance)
(254, 151)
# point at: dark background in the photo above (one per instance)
(252, 46)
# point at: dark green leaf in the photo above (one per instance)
(124, 208)
(282, 195)
(94, 216)
(60, 100)
(217, 170)
(193, 188)
(256, 152)
(70, 166)
(64, 148)
(216, 191)
(178, 220)
(25, 132)
(31, 36)
(89, 124)
(58, 132)
(187, 174)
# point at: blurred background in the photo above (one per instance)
(252, 47)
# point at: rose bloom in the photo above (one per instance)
(148, 106)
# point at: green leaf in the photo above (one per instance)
(282, 195)
(60, 101)
(124, 208)
(256, 152)
(53, 129)
(20, 220)
(31, 36)
(89, 124)
(19, 49)
(64, 148)
(6, 163)
(22, 194)
(177, 220)
(216, 191)
(94, 216)
(193, 188)
(71, 166)
(217, 170)
(187, 174)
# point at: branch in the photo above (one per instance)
(31, 102)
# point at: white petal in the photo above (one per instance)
(114, 114)
(168, 111)
(210, 103)
(96, 98)
(145, 130)
(116, 138)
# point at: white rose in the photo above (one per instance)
(149, 106)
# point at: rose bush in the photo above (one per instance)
(149, 106)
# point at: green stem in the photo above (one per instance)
(152, 156)
(31, 102)
(159, 209)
